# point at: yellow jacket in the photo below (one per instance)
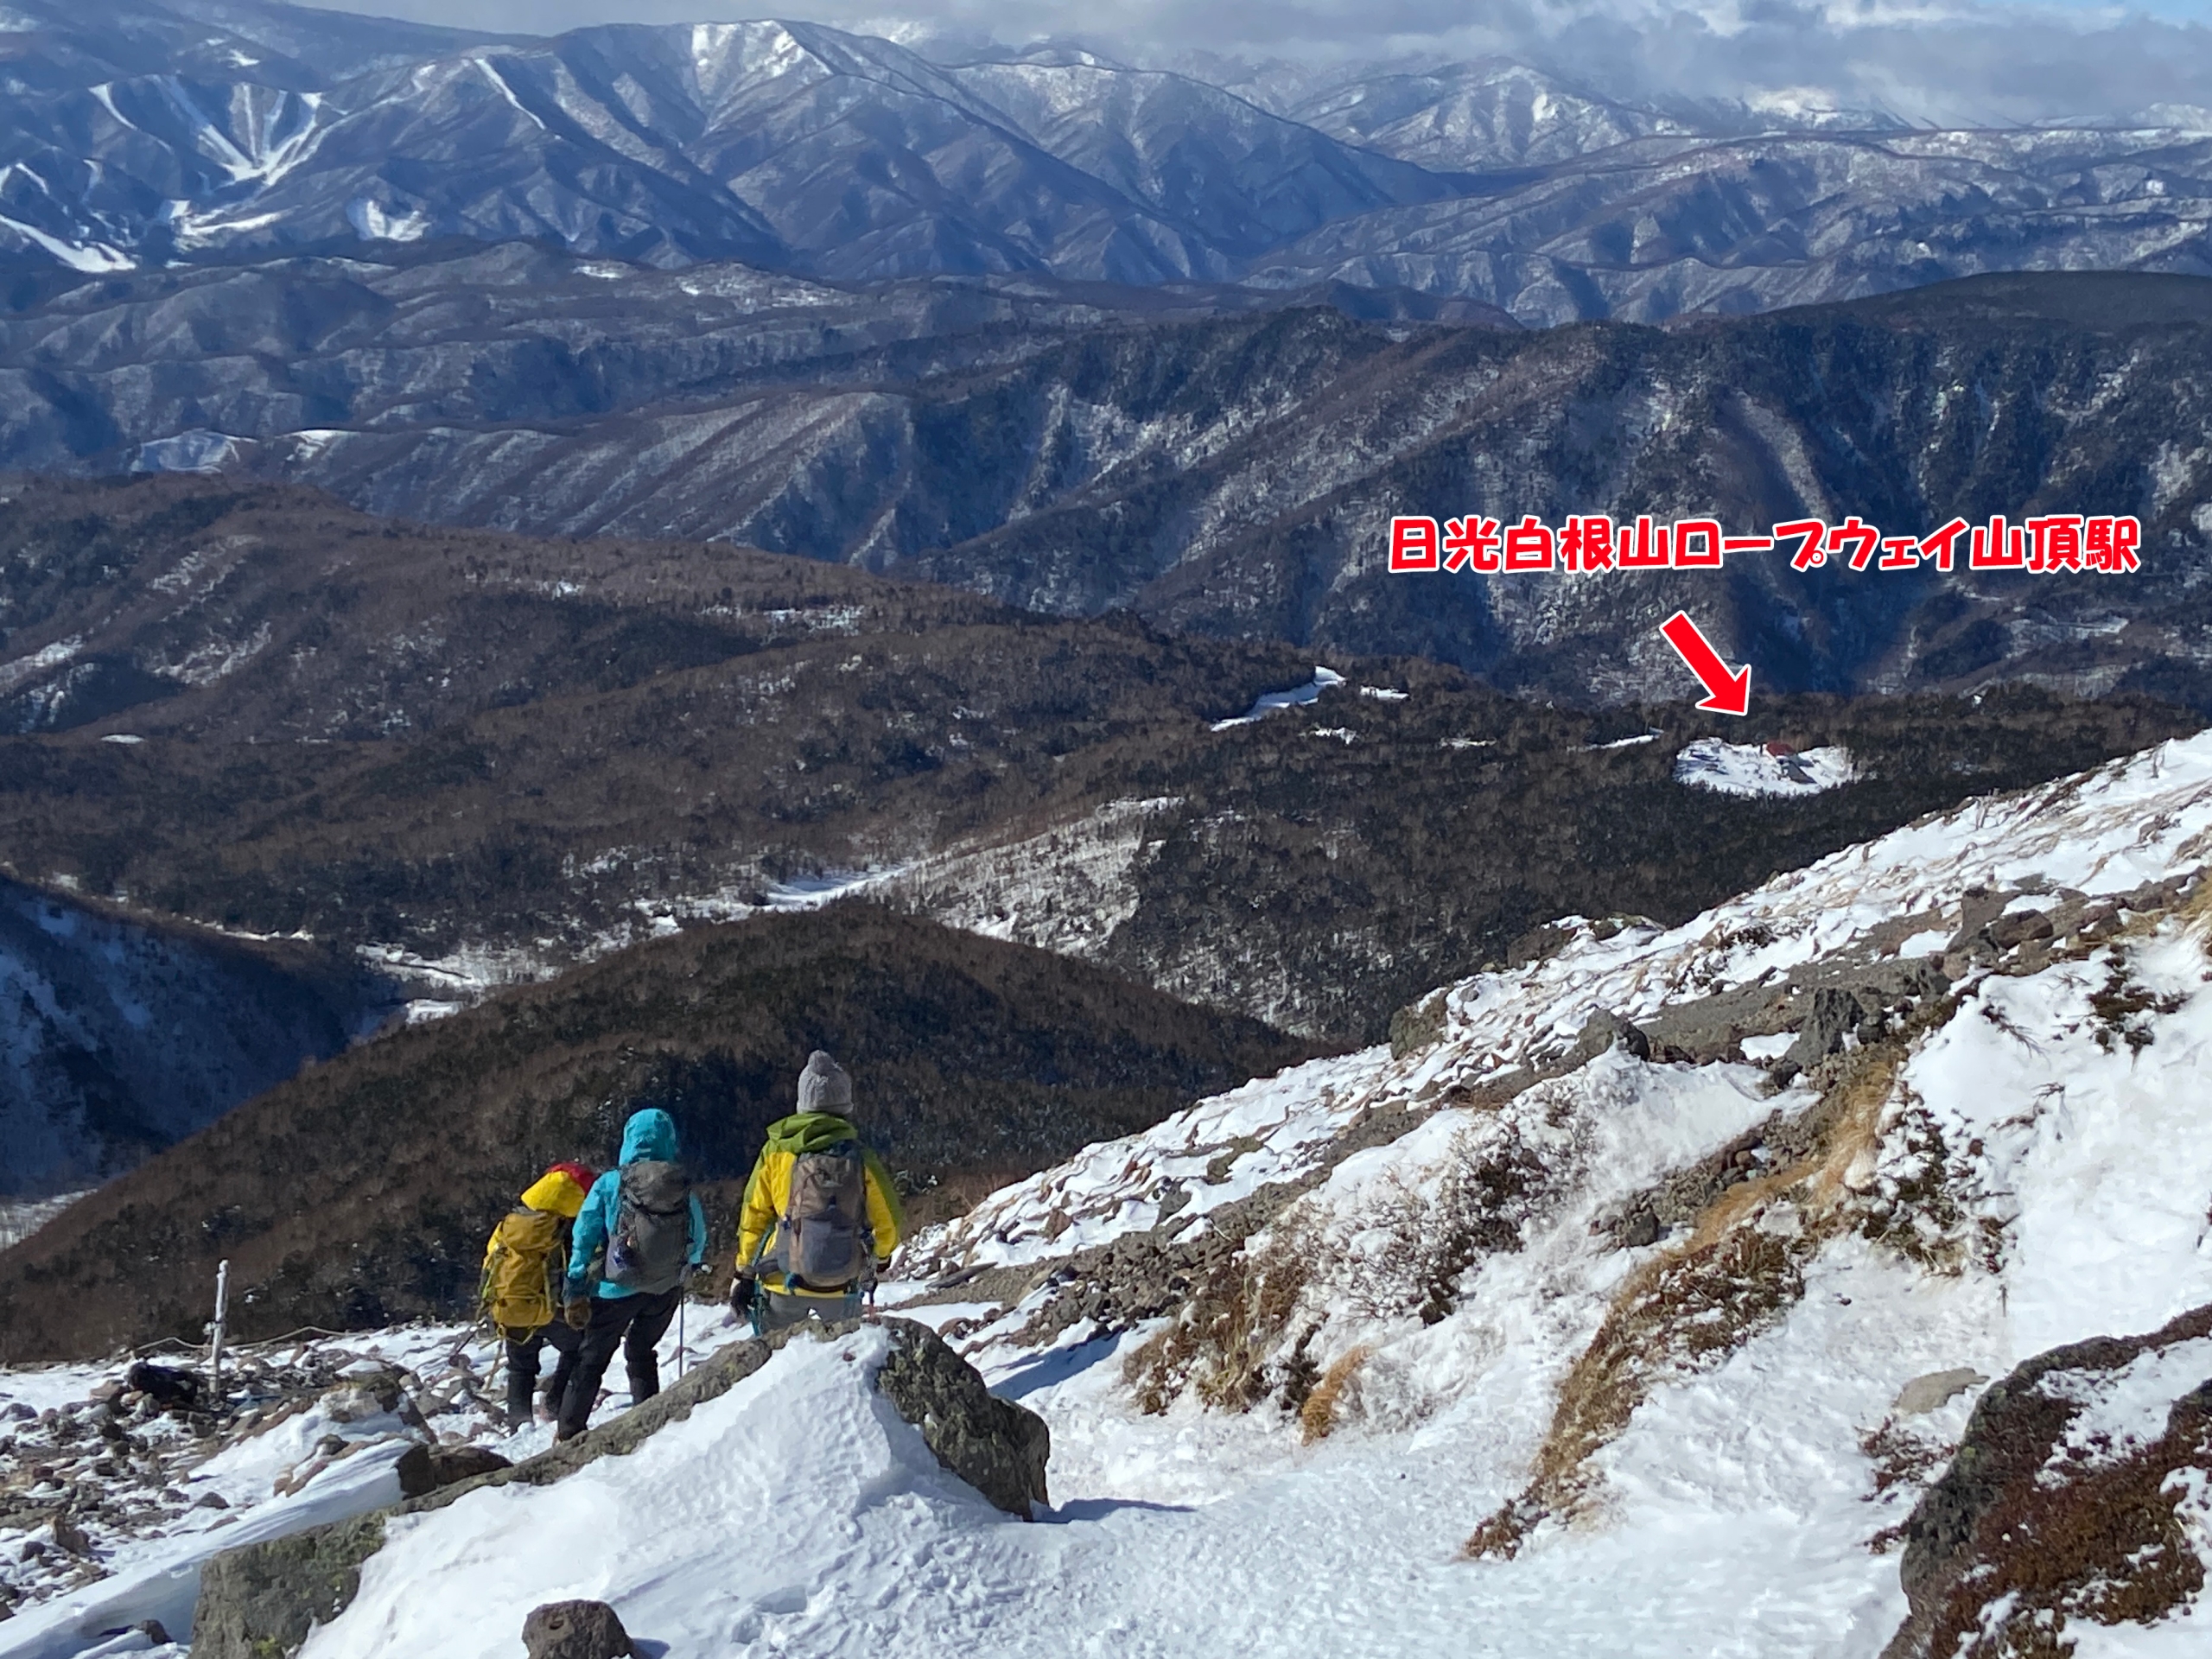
(768, 1195)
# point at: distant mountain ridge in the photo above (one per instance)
(473, 758)
(1217, 465)
(138, 134)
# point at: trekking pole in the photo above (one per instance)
(681, 1353)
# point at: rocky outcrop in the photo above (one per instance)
(2075, 1495)
(577, 1629)
(259, 1602)
(426, 1469)
(1935, 1390)
(996, 1447)
(1417, 1025)
(1605, 1031)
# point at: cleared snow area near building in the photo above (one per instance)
(1754, 769)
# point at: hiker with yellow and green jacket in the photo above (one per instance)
(526, 1270)
(820, 1217)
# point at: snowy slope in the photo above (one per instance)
(316, 1428)
(1707, 1421)
(1631, 1306)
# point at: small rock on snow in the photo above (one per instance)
(1936, 1389)
(577, 1629)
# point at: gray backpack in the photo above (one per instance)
(827, 1242)
(650, 1243)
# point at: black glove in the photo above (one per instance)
(741, 1295)
(577, 1313)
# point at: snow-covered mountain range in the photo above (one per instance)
(137, 133)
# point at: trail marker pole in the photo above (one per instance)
(215, 1328)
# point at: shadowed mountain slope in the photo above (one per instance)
(1233, 474)
(118, 1037)
(478, 758)
(362, 1191)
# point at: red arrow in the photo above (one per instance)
(1730, 693)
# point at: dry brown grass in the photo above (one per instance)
(1219, 1345)
(1317, 1417)
(2195, 912)
(1488, 1186)
(2040, 1538)
(1689, 1308)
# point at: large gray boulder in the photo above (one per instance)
(259, 1602)
(996, 1447)
(425, 1469)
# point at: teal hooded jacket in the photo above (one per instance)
(650, 1136)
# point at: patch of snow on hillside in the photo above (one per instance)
(92, 258)
(54, 655)
(2124, 1410)
(20, 1217)
(1324, 679)
(196, 451)
(1230, 1146)
(1753, 769)
(1066, 889)
(459, 979)
(375, 223)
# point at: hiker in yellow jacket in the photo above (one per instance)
(525, 1262)
(820, 1217)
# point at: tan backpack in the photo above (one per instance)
(827, 1242)
(519, 1272)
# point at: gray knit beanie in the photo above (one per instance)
(824, 1086)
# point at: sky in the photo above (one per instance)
(1942, 61)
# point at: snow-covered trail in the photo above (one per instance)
(799, 1515)
(1998, 1145)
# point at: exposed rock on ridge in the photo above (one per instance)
(262, 1602)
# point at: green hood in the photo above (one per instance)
(804, 1132)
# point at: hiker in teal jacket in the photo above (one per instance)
(614, 1300)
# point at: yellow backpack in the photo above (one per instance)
(518, 1290)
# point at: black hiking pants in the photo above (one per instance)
(634, 1324)
(524, 1357)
